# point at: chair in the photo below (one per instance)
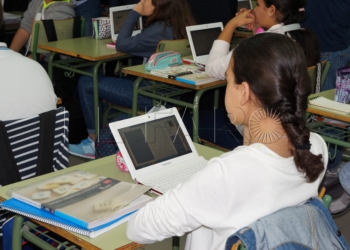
(182, 46)
(58, 30)
(33, 146)
(282, 230)
(325, 65)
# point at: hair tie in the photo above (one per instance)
(305, 146)
(301, 9)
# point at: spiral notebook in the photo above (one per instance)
(325, 103)
(29, 211)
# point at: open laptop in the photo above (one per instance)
(201, 38)
(157, 149)
(118, 15)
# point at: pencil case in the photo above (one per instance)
(162, 60)
(101, 28)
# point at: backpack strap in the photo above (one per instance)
(8, 168)
(77, 27)
(46, 142)
(50, 30)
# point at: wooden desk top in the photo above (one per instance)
(84, 47)
(139, 70)
(115, 238)
(326, 112)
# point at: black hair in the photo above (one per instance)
(275, 68)
(292, 11)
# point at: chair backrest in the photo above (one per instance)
(182, 46)
(33, 146)
(308, 226)
(325, 65)
(63, 29)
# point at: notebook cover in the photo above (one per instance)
(84, 198)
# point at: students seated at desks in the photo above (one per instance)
(330, 21)
(26, 89)
(40, 10)
(281, 169)
(276, 16)
(166, 20)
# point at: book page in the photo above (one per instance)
(329, 104)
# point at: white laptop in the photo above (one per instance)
(201, 38)
(157, 149)
(118, 15)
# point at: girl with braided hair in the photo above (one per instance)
(281, 164)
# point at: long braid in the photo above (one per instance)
(283, 86)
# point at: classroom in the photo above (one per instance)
(174, 124)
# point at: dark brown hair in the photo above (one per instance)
(176, 13)
(275, 68)
(292, 11)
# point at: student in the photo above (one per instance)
(277, 16)
(166, 20)
(330, 21)
(26, 89)
(39, 10)
(281, 169)
(88, 9)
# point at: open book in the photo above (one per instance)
(86, 199)
(331, 105)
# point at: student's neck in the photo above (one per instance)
(269, 133)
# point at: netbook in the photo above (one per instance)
(118, 15)
(201, 38)
(157, 149)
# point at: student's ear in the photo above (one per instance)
(272, 10)
(245, 93)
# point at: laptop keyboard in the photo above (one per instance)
(164, 183)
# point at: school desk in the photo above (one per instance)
(82, 53)
(332, 134)
(165, 89)
(115, 238)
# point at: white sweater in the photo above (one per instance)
(26, 89)
(232, 192)
(219, 55)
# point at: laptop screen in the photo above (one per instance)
(203, 40)
(119, 18)
(154, 142)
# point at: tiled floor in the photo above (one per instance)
(343, 222)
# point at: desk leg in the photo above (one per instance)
(196, 100)
(96, 104)
(16, 233)
(135, 95)
(52, 55)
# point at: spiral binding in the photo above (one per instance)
(52, 222)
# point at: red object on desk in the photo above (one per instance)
(111, 44)
(186, 61)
